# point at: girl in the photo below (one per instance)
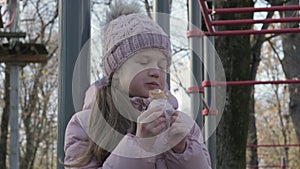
(119, 130)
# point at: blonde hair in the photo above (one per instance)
(104, 107)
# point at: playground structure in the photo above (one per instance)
(75, 20)
(207, 86)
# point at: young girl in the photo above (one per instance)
(118, 128)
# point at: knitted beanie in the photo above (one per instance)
(127, 35)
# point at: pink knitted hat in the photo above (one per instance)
(128, 34)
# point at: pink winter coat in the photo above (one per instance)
(76, 141)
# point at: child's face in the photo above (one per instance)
(142, 72)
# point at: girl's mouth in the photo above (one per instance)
(152, 85)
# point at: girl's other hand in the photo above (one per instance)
(178, 132)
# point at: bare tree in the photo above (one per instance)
(273, 120)
(291, 63)
(38, 87)
(256, 45)
(4, 120)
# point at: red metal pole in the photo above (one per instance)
(252, 9)
(249, 32)
(206, 16)
(247, 82)
(265, 166)
(272, 145)
(196, 33)
(244, 32)
(251, 21)
(195, 89)
(237, 83)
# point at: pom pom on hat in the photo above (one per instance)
(119, 8)
(127, 33)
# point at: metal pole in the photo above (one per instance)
(75, 32)
(14, 117)
(13, 95)
(162, 7)
(161, 15)
(210, 98)
(283, 163)
(210, 95)
(196, 59)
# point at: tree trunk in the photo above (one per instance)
(290, 64)
(235, 53)
(252, 136)
(4, 121)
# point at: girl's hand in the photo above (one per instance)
(178, 133)
(150, 124)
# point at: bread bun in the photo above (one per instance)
(158, 94)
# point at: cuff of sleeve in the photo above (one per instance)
(185, 146)
(195, 154)
(176, 155)
(130, 147)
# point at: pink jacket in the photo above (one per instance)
(76, 141)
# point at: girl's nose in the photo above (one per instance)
(154, 73)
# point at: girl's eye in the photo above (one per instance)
(163, 65)
(143, 61)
